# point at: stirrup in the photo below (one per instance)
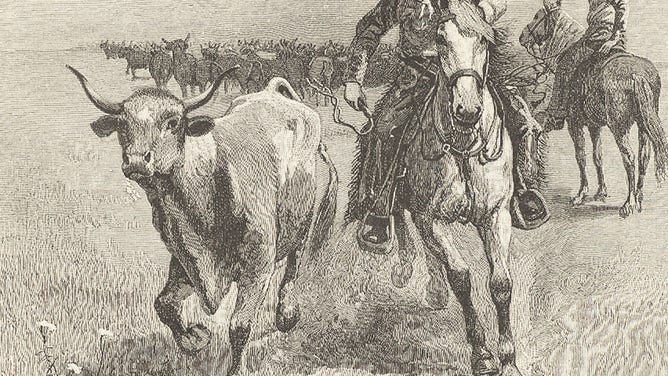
(519, 220)
(379, 249)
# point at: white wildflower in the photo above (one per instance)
(73, 368)
(105, 333)
(45, 328)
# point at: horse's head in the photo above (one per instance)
(462, 42)
(542, 26)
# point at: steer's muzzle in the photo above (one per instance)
(137, 166)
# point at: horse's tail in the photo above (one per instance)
(324, 218)
(650, 124)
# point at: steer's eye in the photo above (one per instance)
(172, 123)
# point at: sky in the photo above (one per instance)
(61, 24)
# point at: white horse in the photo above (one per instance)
(468, 179)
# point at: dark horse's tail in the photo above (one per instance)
(647, 99)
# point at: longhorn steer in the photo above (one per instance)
(230, 197)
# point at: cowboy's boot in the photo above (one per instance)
(376, 231)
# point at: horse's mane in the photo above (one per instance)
(470, 22)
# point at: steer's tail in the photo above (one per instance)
(650, 124)
(324, 218)
(282, 86)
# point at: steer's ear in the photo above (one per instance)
(199, 125)
(106, 125)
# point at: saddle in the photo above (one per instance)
(585, 80)
(589, 70)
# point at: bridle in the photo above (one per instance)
(434, 72)
(547, 17)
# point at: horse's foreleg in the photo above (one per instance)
(595, 134)
(577, 134)
(459, 277)
(403, 270)
(496, 240)
(628, 158)
(643, 163)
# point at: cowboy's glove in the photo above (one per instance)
(607, 46)
(354, 95)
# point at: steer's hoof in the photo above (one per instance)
(510, 370)
(287, 316)
(195, 338)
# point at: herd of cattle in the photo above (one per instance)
(259, 61)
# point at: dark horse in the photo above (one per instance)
(469, 179)
(616, 91)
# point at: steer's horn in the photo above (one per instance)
(99, 102)
(200, 100)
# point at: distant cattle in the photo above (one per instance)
(106, 48)
(230, 197)
(184, 64)
(161, 67)
(136, 58)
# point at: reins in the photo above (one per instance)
(336, 112)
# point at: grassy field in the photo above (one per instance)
(77, 249)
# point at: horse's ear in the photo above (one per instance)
(551, 4)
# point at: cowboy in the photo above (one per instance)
(418, 22)
(606, 33)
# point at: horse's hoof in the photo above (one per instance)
(195, 338)
(485, 366)
(626, 210)
(600, 196)
(401, 274)
(639, 199)
(287, 316)
(510, 370)
(578, 200)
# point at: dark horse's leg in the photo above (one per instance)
(621, 134)
(495, 236)
(595, 134)
(168, 305)
(459, 277)
(576, 131)
(643, 163)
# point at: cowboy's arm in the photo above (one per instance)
(493, 9)
(370, 29)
